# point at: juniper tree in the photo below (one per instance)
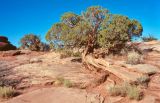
(94, 28)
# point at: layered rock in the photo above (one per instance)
(5, 44)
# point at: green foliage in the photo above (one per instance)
(134, 58)
(33, 42)
(95, 27)
(116, 31)
(149, 38)
(7, 92)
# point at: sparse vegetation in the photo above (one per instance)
(134, 58)
(59, 81)
(134, 93)
(68, 53)
(33, 42)
(114, 90)
(125, 90)
(149, 38)
(77, 54)
(143, 80)
(65, 54)
(65, 82)
(7, 92)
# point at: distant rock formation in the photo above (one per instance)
(5, 44)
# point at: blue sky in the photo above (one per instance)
(20, 17)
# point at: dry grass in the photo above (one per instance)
(7, 92)
(144, 80)
(134, 93)
(59, 81)
(65, 82)
(134, 58)
(125, 90)
(69, 53)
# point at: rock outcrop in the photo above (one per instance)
(58, 95)
(5, 44)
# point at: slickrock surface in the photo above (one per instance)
(40, 70)
(58, 95)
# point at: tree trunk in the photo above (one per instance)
(94, 64)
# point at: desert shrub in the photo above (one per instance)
(134, 58)
(44, 47)
(7, 92)
(114, 90)
(149, 38)
(125, 89)
(77, 54)
(118, 90)
(65, 54)
(143, 80)
(68, 53)
(67, 83)
(30, 41)
(59, 81)
(134, 93)
(33, 42)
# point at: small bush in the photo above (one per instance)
(118, 90)
(134, 93)
(67, 83)
(65, 54)
(7, 92)
(125, 90)
(149, 38)
(143, 80)
(134, 58)
(77, 54)
(34, 43)
(59, 81)
(114, 90)
(69, 53)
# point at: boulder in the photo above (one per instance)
(3, 39)
(5, 44)
(141, 68)
(146, 68)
